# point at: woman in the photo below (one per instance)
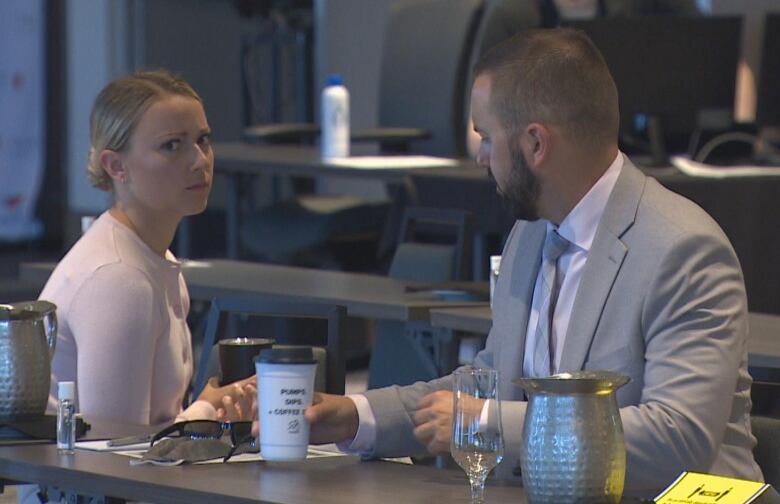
(121, 297)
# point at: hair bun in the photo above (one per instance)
(95, 173)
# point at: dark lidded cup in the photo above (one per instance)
(236, 357)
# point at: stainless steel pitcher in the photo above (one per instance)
(573, 447)
(28, 335)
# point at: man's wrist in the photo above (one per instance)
(364, 434)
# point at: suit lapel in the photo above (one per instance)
(528, 258)
(605, 259)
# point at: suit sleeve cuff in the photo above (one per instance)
(365, 439)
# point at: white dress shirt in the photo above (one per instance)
(579, 227)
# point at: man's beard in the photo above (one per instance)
(521, 195)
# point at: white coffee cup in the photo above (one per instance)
(285, 386)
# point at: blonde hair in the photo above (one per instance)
(117, 110)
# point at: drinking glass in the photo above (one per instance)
(477, 439)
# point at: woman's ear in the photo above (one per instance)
(112, 163)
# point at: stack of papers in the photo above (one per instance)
(136, 451)
(696, 169)
(102, 446)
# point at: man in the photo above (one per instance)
(646, 285)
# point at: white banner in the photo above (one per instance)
(22, 116)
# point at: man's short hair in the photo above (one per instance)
(556, 77)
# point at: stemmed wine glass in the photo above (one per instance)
(477, 439)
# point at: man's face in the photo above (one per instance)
(500, 153)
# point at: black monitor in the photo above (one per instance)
(768, 103)
(673, 74)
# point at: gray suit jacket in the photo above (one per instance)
(661, 300)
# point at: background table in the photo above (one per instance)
(747, 208)
(363, 295)
(239, 162)
(763, 342)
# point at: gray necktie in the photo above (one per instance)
(554, 246)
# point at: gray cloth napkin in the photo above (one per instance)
(180, 450)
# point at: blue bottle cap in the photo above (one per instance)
(335, 80)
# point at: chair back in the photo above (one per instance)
(423, 72)
(251, 305)
(404, 353)
(767, 451)
(446, 252)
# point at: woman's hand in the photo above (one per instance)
(241, 407)
(233, 401)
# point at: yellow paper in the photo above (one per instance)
(697, 488)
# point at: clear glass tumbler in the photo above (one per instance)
(477, 438)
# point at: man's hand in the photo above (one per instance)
(433, 419)
(333, 418)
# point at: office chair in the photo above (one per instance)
(420, 110)
(405, 353)
(334, 343)
(437, 259)
(767, 451)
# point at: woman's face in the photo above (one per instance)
(169, 163)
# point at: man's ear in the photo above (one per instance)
(112, 163)
(535, 143)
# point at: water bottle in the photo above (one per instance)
(335, 119)
(86, 222)
(66, 417)
(495, 266)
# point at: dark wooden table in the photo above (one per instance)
(326, 480)
(364, 296)
(763, 342)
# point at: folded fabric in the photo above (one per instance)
(188, 450)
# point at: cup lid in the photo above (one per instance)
(287, 355)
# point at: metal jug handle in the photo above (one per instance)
(48, 313)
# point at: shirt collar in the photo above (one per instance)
(579, 226)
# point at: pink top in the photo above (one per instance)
(123, 334)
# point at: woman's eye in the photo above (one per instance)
(205, 139)
(171, 145)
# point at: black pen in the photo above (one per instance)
(130, 440)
